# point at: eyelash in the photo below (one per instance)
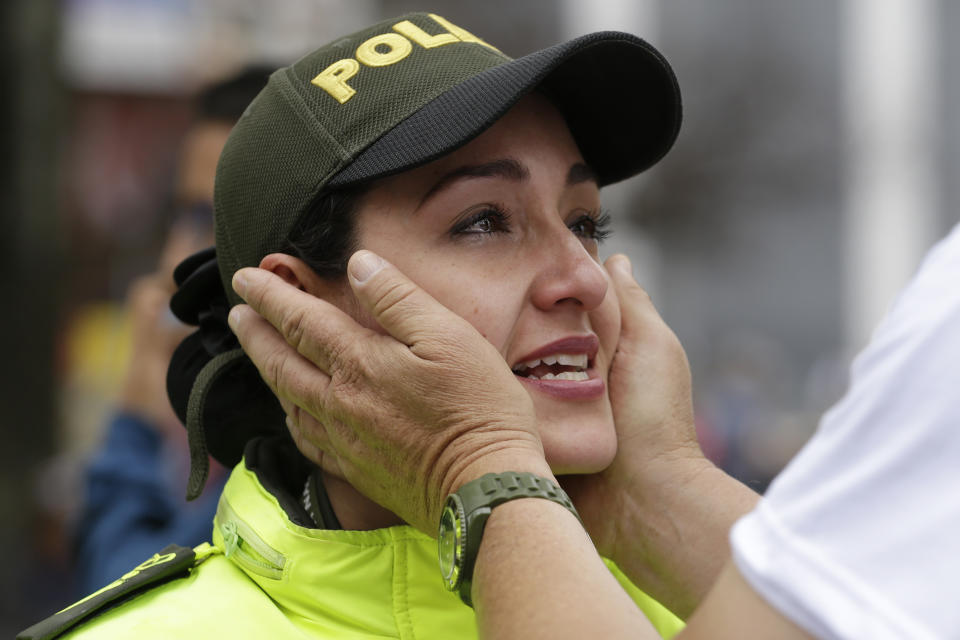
(498, 218)
(599, 225)
(597, 222)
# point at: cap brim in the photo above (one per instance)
(618, 95)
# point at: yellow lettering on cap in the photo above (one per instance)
(461, 33)
(334, 78)
(368, 54)
(423, 38)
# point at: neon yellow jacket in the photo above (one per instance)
(266, 577)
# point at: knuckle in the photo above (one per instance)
(288, 409)
(275, 370)
(635, 290)
(447, 339)
(297, 435)
(391, 295)
(345, 369)
(348, 358)
(346, 383)
(293, 326)
(455, 347)
(306, 447)
(295, 415)
(339, 356)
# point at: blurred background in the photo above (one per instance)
(817, 163)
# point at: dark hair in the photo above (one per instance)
(227, 99)
(324, 236)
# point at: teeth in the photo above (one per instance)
(573, 361)
(568, 359)
(577, 376)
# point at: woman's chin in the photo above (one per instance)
(581, 451)
(578, 437)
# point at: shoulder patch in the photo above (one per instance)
(172, 562)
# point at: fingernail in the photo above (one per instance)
(239, 283)
(623, 264)
(364, 264)
(233, 317)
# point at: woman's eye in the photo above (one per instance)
(485, 221)
(592, 227)
(483, 225)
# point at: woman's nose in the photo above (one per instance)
(569, 275)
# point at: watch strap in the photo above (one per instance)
(478, 498)
(494, 489)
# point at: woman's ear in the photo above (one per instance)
(293, 270)
(296, 272)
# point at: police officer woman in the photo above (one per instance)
(479, 177)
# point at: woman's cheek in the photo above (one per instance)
(487, 304)
(605, 321)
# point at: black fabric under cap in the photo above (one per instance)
(213, 387)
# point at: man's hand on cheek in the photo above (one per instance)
(650, 394)
(650, 384)
(406, 417)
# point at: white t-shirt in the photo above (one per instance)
(859, 537)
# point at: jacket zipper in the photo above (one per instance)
(244, 547)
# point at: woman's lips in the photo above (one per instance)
(589, 389)
(572, 354)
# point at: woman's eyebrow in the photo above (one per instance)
(580, 172)
(503, 168)
(508, 168)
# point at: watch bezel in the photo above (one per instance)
(453, 517)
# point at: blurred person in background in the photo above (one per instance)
(134, 490)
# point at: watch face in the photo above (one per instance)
(450, 543)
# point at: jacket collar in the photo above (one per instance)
(383, 582)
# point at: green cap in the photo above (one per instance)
(409, 90)
(383, 100)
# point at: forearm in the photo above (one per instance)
(538, 575)
(672, 538)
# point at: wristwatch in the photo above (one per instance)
(465, 514)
